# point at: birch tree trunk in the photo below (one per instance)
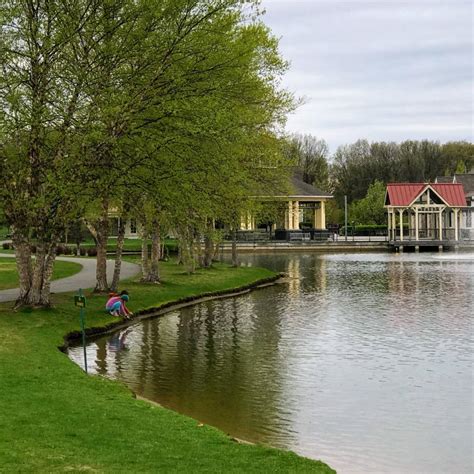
(100, 232)
(40, 289)
(235, 256)
(208, 252)
(23, 264)
(144, 262)
(50, 258)
(153, 275)
(118, 255)
(34, 295)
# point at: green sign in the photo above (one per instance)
(80, 301)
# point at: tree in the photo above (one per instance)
(43, 73)
(100, 96)
(310, 155)
(370, 210)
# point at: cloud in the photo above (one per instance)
(385, 70)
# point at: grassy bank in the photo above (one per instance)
(55, 418)
(9, 275)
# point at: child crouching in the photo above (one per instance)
(116, 305)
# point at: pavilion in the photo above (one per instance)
(424, 213)
(305, 206)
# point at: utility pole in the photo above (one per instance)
(345, 217)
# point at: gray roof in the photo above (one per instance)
(444, 179)
(467, 180)
(297, 188)
(300, 188)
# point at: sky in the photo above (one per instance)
(386, 70)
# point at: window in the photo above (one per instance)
(469, 219)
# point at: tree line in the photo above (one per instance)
(360, 170)
(169, 111)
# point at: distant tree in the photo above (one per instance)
(455, 152)
(370, 210)
(311, 156)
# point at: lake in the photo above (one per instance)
(362, 360)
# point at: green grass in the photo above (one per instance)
(56, 418)
(131, 244)
(9, 276)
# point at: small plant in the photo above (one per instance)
(6, 246)
(82, 251)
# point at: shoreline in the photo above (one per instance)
(82, 417)
(73, 337)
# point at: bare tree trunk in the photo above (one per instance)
(208, 245)
(23, 264)
(208, 251)
(235, 256)
(153, 275)
(215, 253)
(186, 249)
(39, 294)
(191, 261)
(100, 232)
(144, 262)
(45, 298)
(101, 284)
(34, 295)
(118, 254)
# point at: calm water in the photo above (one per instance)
(362, 360)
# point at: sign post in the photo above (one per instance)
(80, 301)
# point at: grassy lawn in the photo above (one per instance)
(56, 418)
(9, 276)
(131, 244)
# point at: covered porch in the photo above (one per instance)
(423, 214)
(300, 215)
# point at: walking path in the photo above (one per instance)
(83, 279)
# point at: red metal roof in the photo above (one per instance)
(452, 193)
(403, 194)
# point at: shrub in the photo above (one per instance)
(6, 246)
(68, 250)
(82, 251)
(92, 252)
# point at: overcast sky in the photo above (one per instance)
(381, 70)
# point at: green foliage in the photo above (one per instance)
(364, 230)
(168, 109)
(370, 210)
(334, 215)
(358, 165)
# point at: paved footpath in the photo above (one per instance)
(85, 278)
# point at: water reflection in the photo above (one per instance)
(362, 360)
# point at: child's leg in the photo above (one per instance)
(115, 309)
